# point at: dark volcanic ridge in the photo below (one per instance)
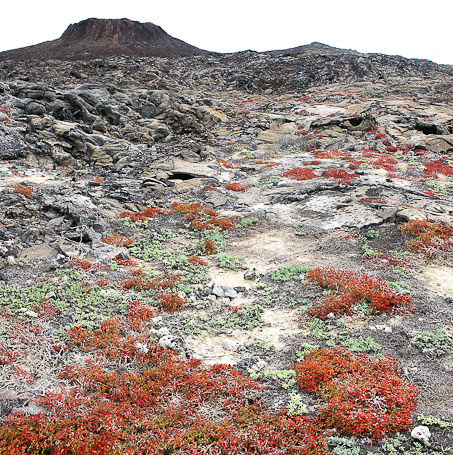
(97, 38)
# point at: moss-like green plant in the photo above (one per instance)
(289, 272)
(286, 377)
(296, 407)
(437, 342)
(231, 262)
(372, 234)
(246, 222)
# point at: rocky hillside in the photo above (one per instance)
(95, 38)
(289, 215)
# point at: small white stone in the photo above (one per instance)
(32, 314)
(142, 347)
(421, 433)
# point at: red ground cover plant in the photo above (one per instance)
(208, 247)
(196, 260)
(209, 187)
(434, 168)
(385, 161)
(367, 396)
(312, 163)
(149, 212)
(430, 238)
(138, 281)
(226, 224)
(165, 281)
(194, 209)
(340, 176)
(117, 240)
(169, 302)
(236, 187)
(349, 290)
(126, 262)
(268, 163)
(299, 173)
(367, 201)
(87, 266)
(25, 190)
(228, 165)
(332, 154)
(5, 109)
(160, 405)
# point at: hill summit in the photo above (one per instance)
(97, 38)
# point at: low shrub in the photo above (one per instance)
(430, 238)
(434, 168)
(299, 173)
(25, 190)
(366, 396)
(350, 290)
(340, 176)
(169, 302)
(117, 240)
(236, 187)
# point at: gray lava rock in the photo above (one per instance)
(250, 275)
(229, 292)
(216, 290)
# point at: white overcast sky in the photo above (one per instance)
(411, 28)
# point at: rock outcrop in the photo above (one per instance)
(99, 38)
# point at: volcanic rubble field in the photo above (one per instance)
(257, 227)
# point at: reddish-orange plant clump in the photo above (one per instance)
(434, 168)
(137, 282)
(138, 314)
(149, 212)
(208, 247)
(209, 187)
(340, 176)
(430, 238)
(312, 163)
(117, 240)
(166, 281)
(236, 187)
(5, 109)
(197, 260)
(299, 173)
(366, 396)
(83, 264)
(120, 260)
(194, 209)
(195, 214)
(169, 302)
(25, 190)
(228, 165)
(349, 290)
